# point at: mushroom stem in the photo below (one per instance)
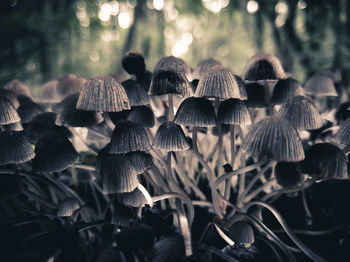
(184, 227)
(232, 151)
(171, 107)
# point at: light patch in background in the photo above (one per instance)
(280, 20)
(169, 32)
(198, 32)
(94, 56)
(215, 6)
(105, 12)
(30, 66)
(158, 4)
(180, 48)
(124, 20)
(302, 4)
(187, 38)
(114, 8)
(223, 50)
(281, 8)
(106, 36)
(252, 6)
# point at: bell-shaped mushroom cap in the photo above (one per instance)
(174, 63)
(195, 111)
(263, 67)
(104, 94)
(136, 94)
(203, 67)
(220, 82)
(68, 115)
(320, 85)
(44, 124)
(12, 127)
(170, 82)
(9, 95)
(142, 115)
(169, 248)
(128, 137)
(274, 138)
(14, 148)
(286, 89)
(302, 113)
(288, 174)
(54, 153)
(134, 63)
(70, 84)
(343, 112)
(118, 175)
(333, 73)
(242, 234)
(8, 113)
(10, 186)
(325, 160)
(18, 88)
(134, 199)
(234, 111)
(258, 95)
(67, 207)
(170, 137)
(343, 134)
(141, 161)
(48, 92)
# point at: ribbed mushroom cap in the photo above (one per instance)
(70, 84)
(8, 113)
(68, 115)
(301, 112)
(118, 175)
(234, 111)
(170, 82)
(14, 148)
(142, 115)
(325, 160)
(12, 127)
(343, 134)
(48, 92)
(220, 82)
(275, 139)
(170, 137)
(203, 67)
(320, 85)
(286, 89)
(242, 234)
(134, 199)
(173, 63)
(134, 63)
(195, 111)
(128, 137)
(104, 94)
(333, 73)
(122, 216)
(136, 94)
(117, 117)
(258, 95)
(9, 95)
(263, 67)
(54, 153)
(67, 207)
(343, 112)
(18, 88)
(288, 174)
(44, 124)
(241, 87)
(141, 161)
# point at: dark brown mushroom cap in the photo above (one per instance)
(221, 83)
(325, 160)
(68, 115)
(343, 134)
(242, 234)
(103, 94)
(67, 207)
(285, 89)
(302, 113)
(18, 88)
(195, 111)
(142, 115)
(128, 137)
(274, 138)
(8, 113)
(320, 85)
(203, 67)
(134, 63)
(118, 175)
(288, 174)
(234, 111)
(48, 92)
(70, 84)
(169, 82)
(258, 95)
(134, 199)
(14, 148)
(9, 95)
(263, 67)
(54, 153)
(136, 94)
(141, 161)
(173, 63)
(170, 137)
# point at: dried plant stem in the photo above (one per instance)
(184, 227)
(220, 137)
(232, 151)
(258, 190)
(171, 107)
(223, 235)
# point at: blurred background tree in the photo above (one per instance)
(45, 39)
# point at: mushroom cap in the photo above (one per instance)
(288, 174)
(141, 161)
(67, 207)
(203, 67)
(12, 127)
(274, 138)
(234, 111)
(286, 89)
(343, 134)
(170, 137)
(8, 113)
(134, 198)
(242, 233)
(301, 112)
(174, 63)
(258, 95)
(343, 112)
(320, 85)
(136, 94)
(18, 88)
(104, 94)
(9, 95)
(70, 84)
(134, 63)
(48, 92)
(142, 115)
